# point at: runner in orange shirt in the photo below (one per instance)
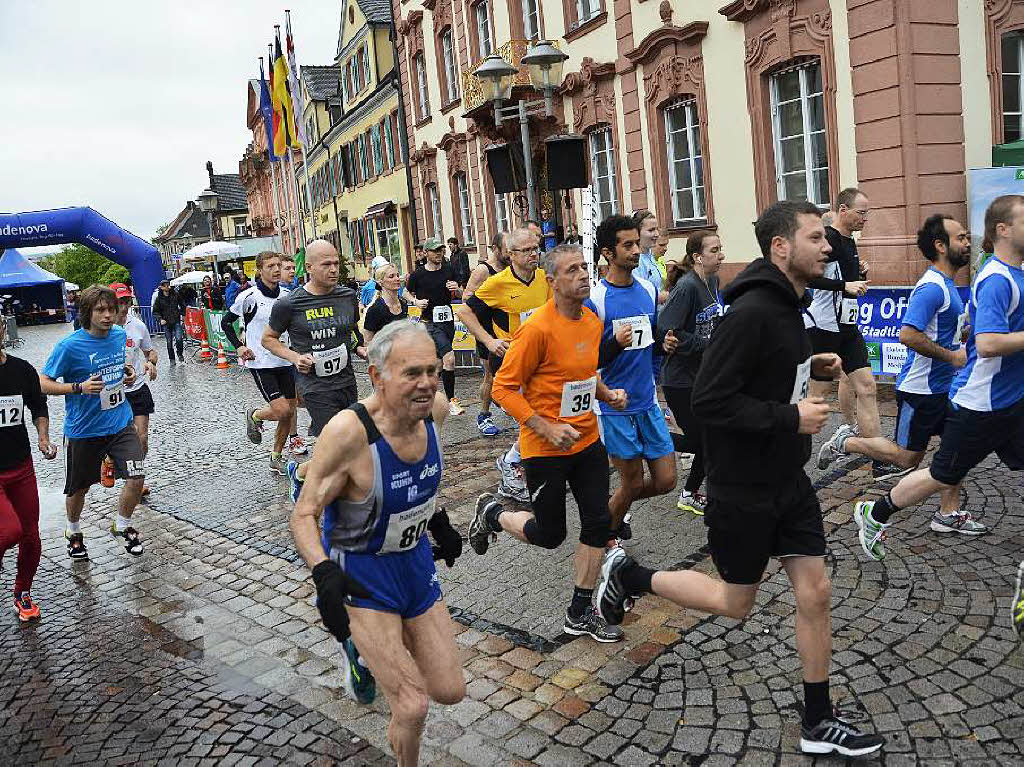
(548, 382)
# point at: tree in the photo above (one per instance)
(83, 266)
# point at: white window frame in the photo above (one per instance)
(484, 37)
(465, 208)
(1004, 75)
(695, 150)
(586, 10)
(434, 198)
(531, 19)
(389, 143)
(604, 208)
(450, 68)
(502, 214)
(378, 157)
(806, 95)
(386, 227)
(421, 80)
(240, 227)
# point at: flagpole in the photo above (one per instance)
(299, 126)
(284, 179)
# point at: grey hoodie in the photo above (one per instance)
(691, 311)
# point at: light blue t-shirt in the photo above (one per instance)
(648, 269)
(934, 309)
(75, 359)
(992, 383)
(633, 368)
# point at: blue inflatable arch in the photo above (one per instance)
(86, 227)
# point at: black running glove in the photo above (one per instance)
(448, 542)
(332, 586)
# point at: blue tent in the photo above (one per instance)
(29, 284)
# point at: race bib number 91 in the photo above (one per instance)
(12, 411)
(641, 325)
(578, 397)
(112, 396)
(405, 529)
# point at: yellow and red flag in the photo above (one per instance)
(280, 96)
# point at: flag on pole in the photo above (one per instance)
(293, 78)
(267, 110)
(284, 135)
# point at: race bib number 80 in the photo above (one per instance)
(12, 411)
(578, 397)
(405, 529)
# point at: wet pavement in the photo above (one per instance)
(209, 649)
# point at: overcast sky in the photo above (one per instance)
(118, 104)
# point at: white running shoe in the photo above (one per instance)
(297, 445)
(957, 522)
(454, 408)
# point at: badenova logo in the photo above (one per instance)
(100, 244)
(32, 229)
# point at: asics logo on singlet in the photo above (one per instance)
(429, 470)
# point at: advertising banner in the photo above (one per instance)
(881, 313)
(195, 324)
(983, 186)
(214, 333)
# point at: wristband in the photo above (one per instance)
(76, 388)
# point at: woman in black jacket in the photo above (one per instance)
(692, 309)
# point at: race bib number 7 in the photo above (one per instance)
(405, 529)
(12, 411)
(641, 326)
(112, 396)
(578, 397)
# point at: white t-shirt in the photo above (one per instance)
(254, 309)
(137, 344)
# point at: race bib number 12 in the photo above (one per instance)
(12, 411)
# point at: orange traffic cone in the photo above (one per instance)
(205, 353)
(222, 358)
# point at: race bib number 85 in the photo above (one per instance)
(405, 529)
(12, 411)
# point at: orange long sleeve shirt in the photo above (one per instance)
(547, 371)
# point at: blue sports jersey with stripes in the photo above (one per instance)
(992, 383)
(633, 368)
(934, 309)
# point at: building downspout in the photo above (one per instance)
(403, 128)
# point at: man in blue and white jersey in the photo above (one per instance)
(375, 474)
(628, 307)
(987, 394)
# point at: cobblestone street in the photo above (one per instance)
(209, 647)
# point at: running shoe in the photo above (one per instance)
(692, 502)
(253, 428)
(130, 538)
(832, 450)
(513, 483)
(107, 472)
(592, 625)
(480, 535)
(625, 529)
(293, 480)
(359, 682)
(145, 491)
(958, 522)
(454, 408)
(887, 472)
(612, 600)
(870, 533)
(297, 445)
(278, 465)
(486, 425)
(838, 735)
(76, 545)
(1017, 605)
(27, 609)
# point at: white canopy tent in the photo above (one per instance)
(191, 278)
(213, 252)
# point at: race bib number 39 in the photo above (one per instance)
(578, 397)
(12, 410)
(803, 375)
(442, 314)
(329, 362)
(405, 529)
(641, 325)
(849, 311)
(112, 396)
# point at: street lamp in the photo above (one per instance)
(544, 63)
(208, 201)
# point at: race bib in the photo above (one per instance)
(641, 324)
(405, 529)
(112, 396)
(329, 362)
(578, 397)
(803, 375)
(442, 314)
(12, 410)
(958, 335)
(849, 311)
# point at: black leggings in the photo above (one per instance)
(678, 400)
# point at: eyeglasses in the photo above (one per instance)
(861, 211)
(525, 251)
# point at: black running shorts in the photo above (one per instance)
(324, 405)
(82, 458)
(274, 382)
(970, 436)
(919, 417)
(443, 336)
(848, 343)
(141, 401)
(743, 536)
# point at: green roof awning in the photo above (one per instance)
(1008, 154)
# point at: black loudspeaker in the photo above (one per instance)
(567, 161)
(506, 166)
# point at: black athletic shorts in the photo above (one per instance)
(274, 382)
(919, 417)
(141, 400)
(82, 458)
(848, 343)
(743, 536)
(971, 435)
(443, 335)
(587, 475)
(483, 353)
(323, 406)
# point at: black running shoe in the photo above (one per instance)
(625, 529)
(76, 545)
(838, 735)
(887, 472)
(480, 535)
(129, 538)
(592, 625)
(612, 600)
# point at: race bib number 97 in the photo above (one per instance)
(329, 362)
(405, 529)
(12, 411)
(112, 396)
(578, 397)
(641, 326)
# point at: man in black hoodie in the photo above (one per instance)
(751, 397)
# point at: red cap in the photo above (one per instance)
(122, 290)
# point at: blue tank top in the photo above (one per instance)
(394, 515)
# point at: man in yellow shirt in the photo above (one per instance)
(549, 384)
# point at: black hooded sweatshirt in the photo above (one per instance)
(748, 384)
